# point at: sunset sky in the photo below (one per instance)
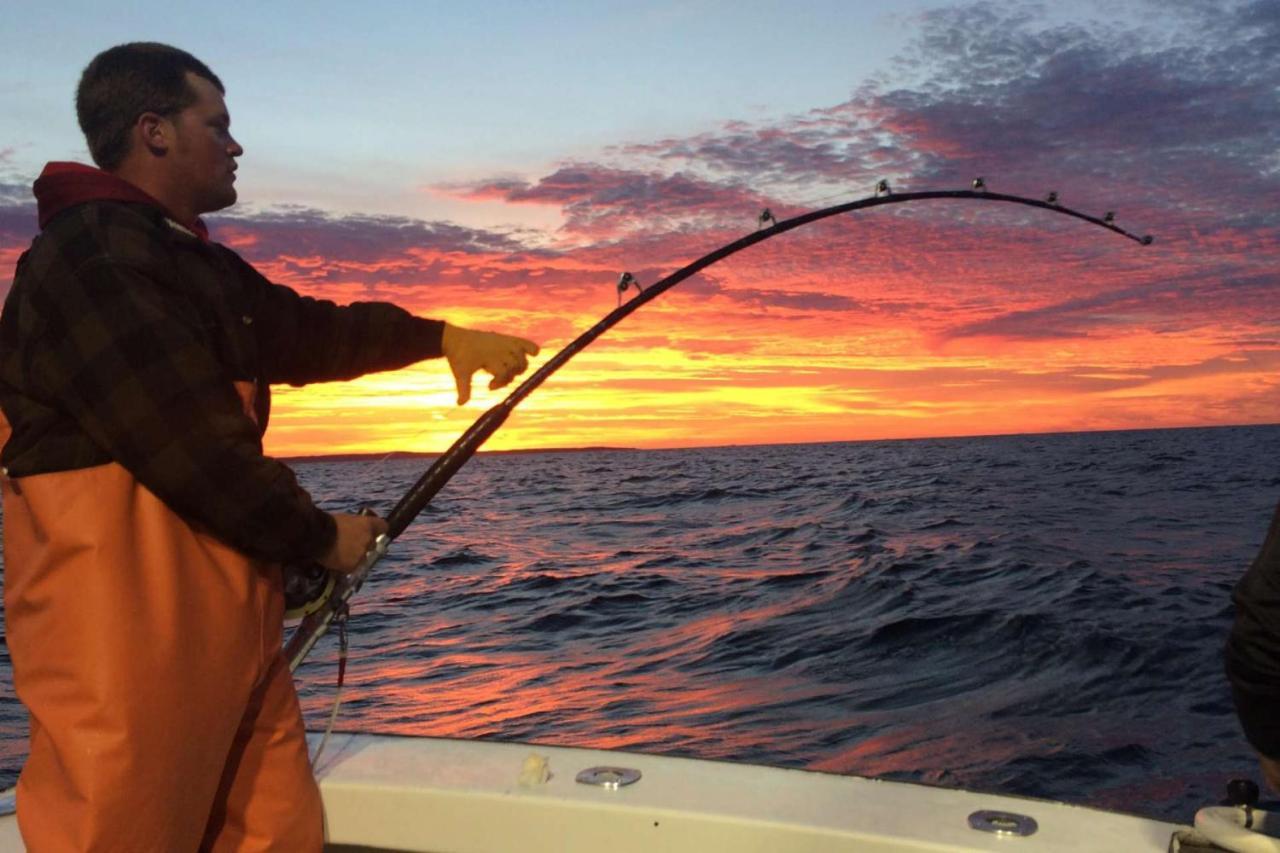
(499, 166)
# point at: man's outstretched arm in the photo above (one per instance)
(303, 339)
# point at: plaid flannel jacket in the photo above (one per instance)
(121, 340)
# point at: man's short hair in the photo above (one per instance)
(124, 82)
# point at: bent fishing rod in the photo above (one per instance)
(331, 605)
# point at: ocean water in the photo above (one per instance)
(1038, 615)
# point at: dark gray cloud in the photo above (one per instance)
(1162, 306)
(766, 298)
(17, 215)
(838, 144)
(1144, 117)
(609, 202)
(301, 231)
(1196, 111)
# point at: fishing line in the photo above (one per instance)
(339, 619)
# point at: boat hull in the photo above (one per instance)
(438, 795)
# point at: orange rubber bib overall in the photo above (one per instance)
(163, 713)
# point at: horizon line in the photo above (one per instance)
(417, 454)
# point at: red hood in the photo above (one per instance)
(63, 185)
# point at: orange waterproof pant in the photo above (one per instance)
(163, 713)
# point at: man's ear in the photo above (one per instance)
(155, 132)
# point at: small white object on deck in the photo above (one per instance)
(535, 771)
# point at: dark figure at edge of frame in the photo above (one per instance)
(1253, 654)
(144, 529)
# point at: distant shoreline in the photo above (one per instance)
(413, 454)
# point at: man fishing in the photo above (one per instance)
(144, 528)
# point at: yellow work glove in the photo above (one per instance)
(504, 356)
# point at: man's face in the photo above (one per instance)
(204, 152)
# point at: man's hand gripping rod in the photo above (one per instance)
(314, 626)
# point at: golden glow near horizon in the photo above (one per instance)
(699, 371)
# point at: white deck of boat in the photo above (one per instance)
(456, 796)
(461, 796)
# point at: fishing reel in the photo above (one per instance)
(306, 589)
